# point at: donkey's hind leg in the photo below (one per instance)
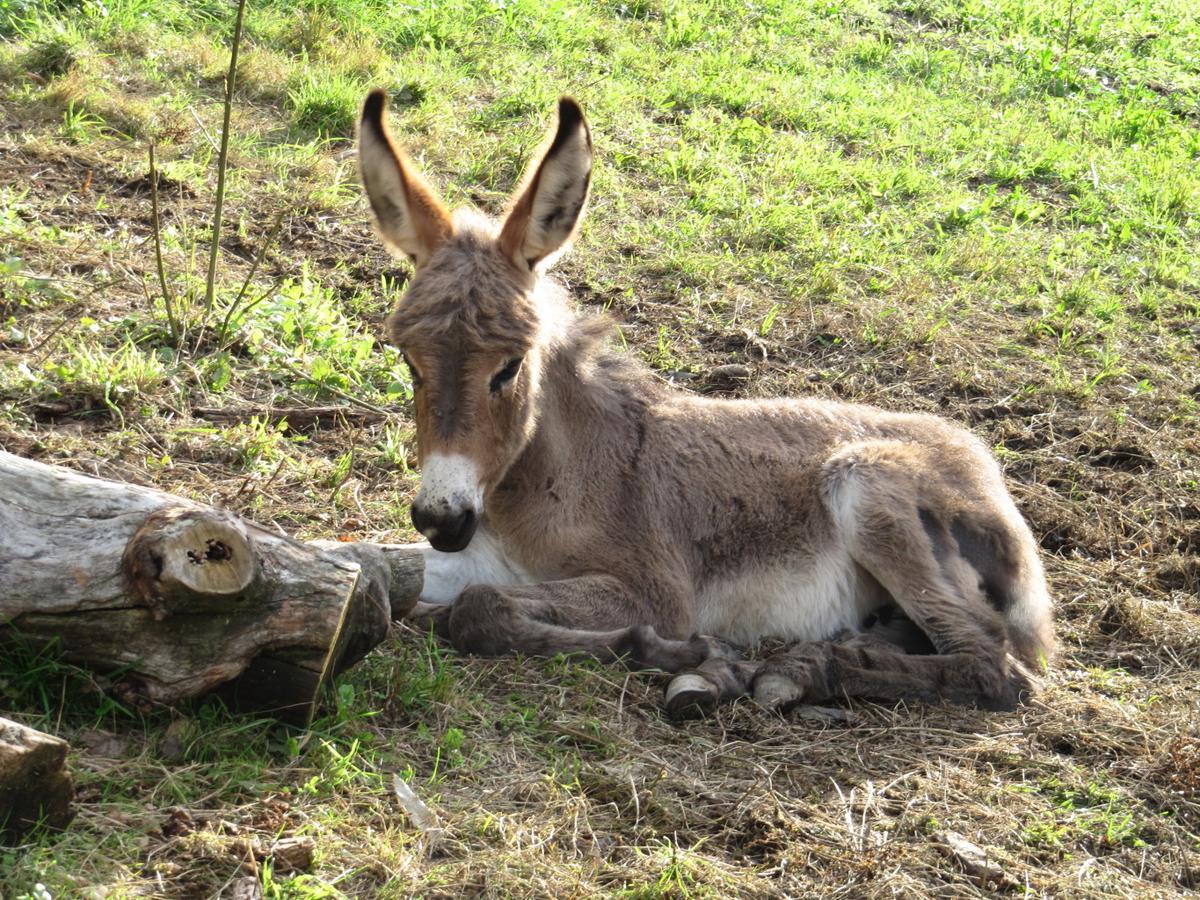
(888, 501)
(803, 672)
(575, 615)
(828, 670)
(886, 505)
(857, 666)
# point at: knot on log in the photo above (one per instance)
(193, 559)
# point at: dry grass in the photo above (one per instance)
(567, 780)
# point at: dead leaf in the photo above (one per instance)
(980, 864)
(179, 822)
(292, 854)
(418, 813)
(103, 743)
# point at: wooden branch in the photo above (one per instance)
(298, 418)
(35, 787)
(183, 598)
(398, 569)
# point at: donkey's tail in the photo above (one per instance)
(1030, 615)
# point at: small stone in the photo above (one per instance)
(171, 747)
(246, 888)
(103, 743)
(731, 372)
(179, 822)
(292, 854)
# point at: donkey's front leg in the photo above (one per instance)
(577, 615)
(433, 617)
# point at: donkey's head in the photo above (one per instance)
(472, 325)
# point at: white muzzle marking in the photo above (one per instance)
(450, 484)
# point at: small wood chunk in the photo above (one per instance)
(35, 786)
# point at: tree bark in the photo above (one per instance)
(35, 787)
(182, 599)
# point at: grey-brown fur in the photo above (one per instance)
(643, 515)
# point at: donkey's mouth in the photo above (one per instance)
(450, 546)
(451, 535)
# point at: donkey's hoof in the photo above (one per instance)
(690, 696)
(776, 691)
(713, 648)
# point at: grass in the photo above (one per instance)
(989, 209)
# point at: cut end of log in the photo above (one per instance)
(185, 559)
(396, 571)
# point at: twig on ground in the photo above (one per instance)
(976, 862)
(297, 417)
(418, 813)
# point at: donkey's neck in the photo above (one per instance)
(593, 404)
(590, 427)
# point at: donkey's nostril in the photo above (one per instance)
(421, 519)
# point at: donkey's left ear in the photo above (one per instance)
(547, 208)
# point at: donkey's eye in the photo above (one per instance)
(412, 370)
(505, 375)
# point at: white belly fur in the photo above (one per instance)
(802, 600)
(483, 562)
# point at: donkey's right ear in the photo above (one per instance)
(546, 209)
(409, 215)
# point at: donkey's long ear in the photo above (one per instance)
(546, 209)
(409, 215)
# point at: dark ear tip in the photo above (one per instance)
(570, 113)
(373, 108)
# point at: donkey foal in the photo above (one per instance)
(575, 504)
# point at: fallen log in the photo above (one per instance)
(35, 787)
(181, 599)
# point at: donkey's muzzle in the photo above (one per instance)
(448, 532)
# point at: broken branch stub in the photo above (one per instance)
(182, 559)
